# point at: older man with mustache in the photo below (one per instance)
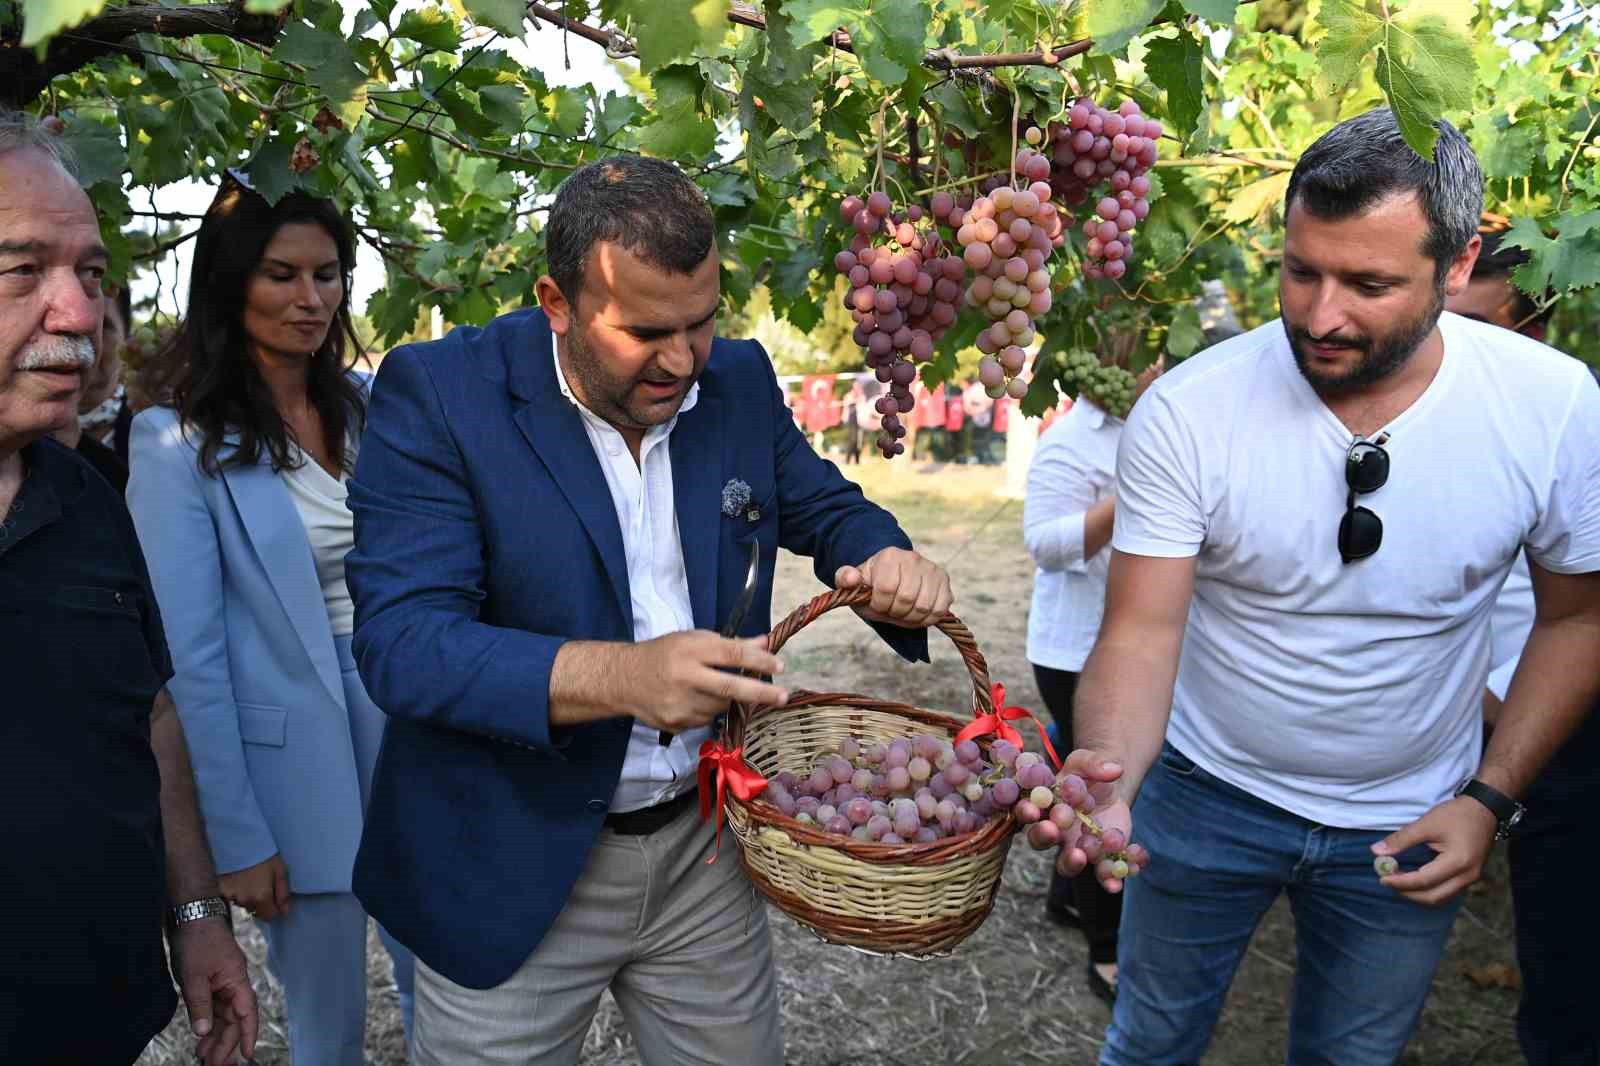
(101, 834)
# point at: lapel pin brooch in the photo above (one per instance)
(736, 501)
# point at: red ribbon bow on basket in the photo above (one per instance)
(732, 772)
(995, 722)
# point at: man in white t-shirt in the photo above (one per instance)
(1312, 522)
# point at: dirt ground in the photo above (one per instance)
(1014, 992)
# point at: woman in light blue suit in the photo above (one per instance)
(238, 490)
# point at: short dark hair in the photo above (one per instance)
(1496, 259)
(648, 206)
(1365, 159)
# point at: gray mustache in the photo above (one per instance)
(58, 352)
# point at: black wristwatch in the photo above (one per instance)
(1507, 811)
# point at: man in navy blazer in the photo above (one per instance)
(553, 517)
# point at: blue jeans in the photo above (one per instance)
(1220, 857)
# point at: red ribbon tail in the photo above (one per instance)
(995, 722)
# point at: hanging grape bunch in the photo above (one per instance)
(920, 789)
(903, 296)
(1110, 387)
(1007, 236)
(144, 342)
(1102, 157)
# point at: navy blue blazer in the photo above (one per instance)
(486, 538)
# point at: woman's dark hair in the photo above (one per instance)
(648, 206)
(1365, 159)
(206, 373)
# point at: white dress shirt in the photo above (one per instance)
(1073, 468)
(657, 583)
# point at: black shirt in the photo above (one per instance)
(82, 864)
(105, 461)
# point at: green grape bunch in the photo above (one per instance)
(1110, 387)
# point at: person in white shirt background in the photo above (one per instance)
(1066, 525)
(1558, 938)
(1312, 522)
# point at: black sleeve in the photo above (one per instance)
(155, 635)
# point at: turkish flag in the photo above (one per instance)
(816, 396)
(930, 408)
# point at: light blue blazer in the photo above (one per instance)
(257, 680)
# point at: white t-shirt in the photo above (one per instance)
(1509, 626)
(1073, 468)
(1351, 694)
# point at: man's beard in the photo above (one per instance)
(609, 396)
(56, 353)
(1381, 356)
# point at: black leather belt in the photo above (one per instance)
(647, 820)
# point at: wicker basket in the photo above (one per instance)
(909, 900)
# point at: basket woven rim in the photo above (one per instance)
(763, 814)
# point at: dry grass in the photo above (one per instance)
(1014, 992)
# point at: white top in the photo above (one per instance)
(1509, 626)
(657, 583)
(1074, 468)
(320, 499)
(1352, 694)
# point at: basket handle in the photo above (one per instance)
(949, 625)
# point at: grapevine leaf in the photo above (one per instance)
(265, 7)
(793, 271)
(679, 131)
(783, 59)
(1423, 59)
(431, 28)
(955, 109)
(43, 19)
(1174, 63)
(888, 35)
(269, 171)
(568, 111)
(1221, 12)
(1569, 261)
(727, 189)
(668, 32)
(1353, 33)
(1256, 199)
(99, 152)
(1504, 149)
(803, 314)
(310, 48)
(503, 15)
(502, 105)
(788, 102)
(1184, 335)
(1113, 23)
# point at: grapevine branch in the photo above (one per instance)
(161, 249)
(619, 45)
(1228, 159)
(23, 75)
